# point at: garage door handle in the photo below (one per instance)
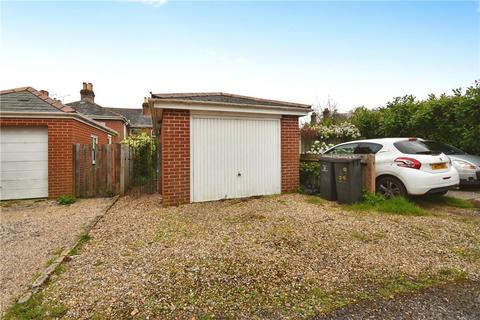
(239, 174)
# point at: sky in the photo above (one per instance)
(353, 53)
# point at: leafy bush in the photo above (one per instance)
(144, 157)
(310, 176)
(66, 199)
(372, 199)
(453, 119)
(310, 168)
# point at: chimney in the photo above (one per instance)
(326, 113)
(44, 94)
(87, 94)
(146, 107)
(313, 118)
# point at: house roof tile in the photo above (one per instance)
(93, 110)
(134, 116)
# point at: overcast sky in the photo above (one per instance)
(358, 53)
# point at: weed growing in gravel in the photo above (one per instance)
(395, 205)
(35, 308)
(401, 284)
(314, 200)
(8, 203)
(66, 199)
(82, 239)
(446, 201)
(360, 236)
(60, 269)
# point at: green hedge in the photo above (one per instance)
(453, 119)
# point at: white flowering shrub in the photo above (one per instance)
(319, 147)
(340, 132)
(326, 135)
(331, 133)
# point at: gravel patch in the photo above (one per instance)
(34, 231)
(271, 257)
(450, 302)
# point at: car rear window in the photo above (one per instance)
(413, 147)
(443, 147)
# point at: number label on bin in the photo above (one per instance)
(344, 176)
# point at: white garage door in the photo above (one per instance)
(23, 162)
(234, 157)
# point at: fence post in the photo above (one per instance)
(76, 170)
(122, 169)
(109, 186)
(370, 173)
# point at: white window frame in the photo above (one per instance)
(94, 148)
(109, 139)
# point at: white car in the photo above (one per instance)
(404, 166)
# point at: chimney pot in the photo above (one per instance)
(44, 93)
(145, 107)
(87, 94)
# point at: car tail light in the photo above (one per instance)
(408, 163)
(412, 139)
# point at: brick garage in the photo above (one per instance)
(216, 145)
(26, 108)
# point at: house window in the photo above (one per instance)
(94, 148)
(109, 139)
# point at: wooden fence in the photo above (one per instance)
(96, 171)
(108, 170)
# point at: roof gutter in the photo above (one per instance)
(58, 115)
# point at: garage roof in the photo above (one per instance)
(27, 99)
(226, 98)
(27, 102)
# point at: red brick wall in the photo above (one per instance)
(62, 133)
(175, 142)
(118, 126)
(82, 133)
(290, 137)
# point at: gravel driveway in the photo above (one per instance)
(459, 301)
(34, 231)
(280, 257)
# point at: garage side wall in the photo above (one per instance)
(290, 137)
(175, 153)
(62, 133)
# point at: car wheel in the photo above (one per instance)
(390, 187)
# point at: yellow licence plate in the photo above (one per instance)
(437, 166)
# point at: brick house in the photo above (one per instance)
(87, 106)
(37, 134)
(216, 145)
(139, 120)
